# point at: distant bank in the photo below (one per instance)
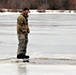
(39, 11)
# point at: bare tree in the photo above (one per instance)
(38, 4)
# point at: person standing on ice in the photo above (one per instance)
(22, 32)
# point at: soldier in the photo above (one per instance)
(22, 31)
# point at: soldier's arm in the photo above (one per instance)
(20, 22)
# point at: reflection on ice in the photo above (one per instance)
(29, 69)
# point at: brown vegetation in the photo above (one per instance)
(15, 5)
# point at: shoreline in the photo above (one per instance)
(7, 13)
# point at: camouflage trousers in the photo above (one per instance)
(22, 46)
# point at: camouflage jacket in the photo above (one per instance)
(22, 24)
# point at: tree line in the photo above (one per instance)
(38, 4)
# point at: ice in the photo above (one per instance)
(30, 69)
(52, 35)
(52, 44)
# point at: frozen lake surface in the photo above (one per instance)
(29, 69)
(52, 36)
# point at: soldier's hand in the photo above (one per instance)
(28, 30)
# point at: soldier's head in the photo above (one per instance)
(26, 11)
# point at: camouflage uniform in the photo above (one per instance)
(22, 31)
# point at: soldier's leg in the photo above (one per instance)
(26, 42)
(21, 45)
